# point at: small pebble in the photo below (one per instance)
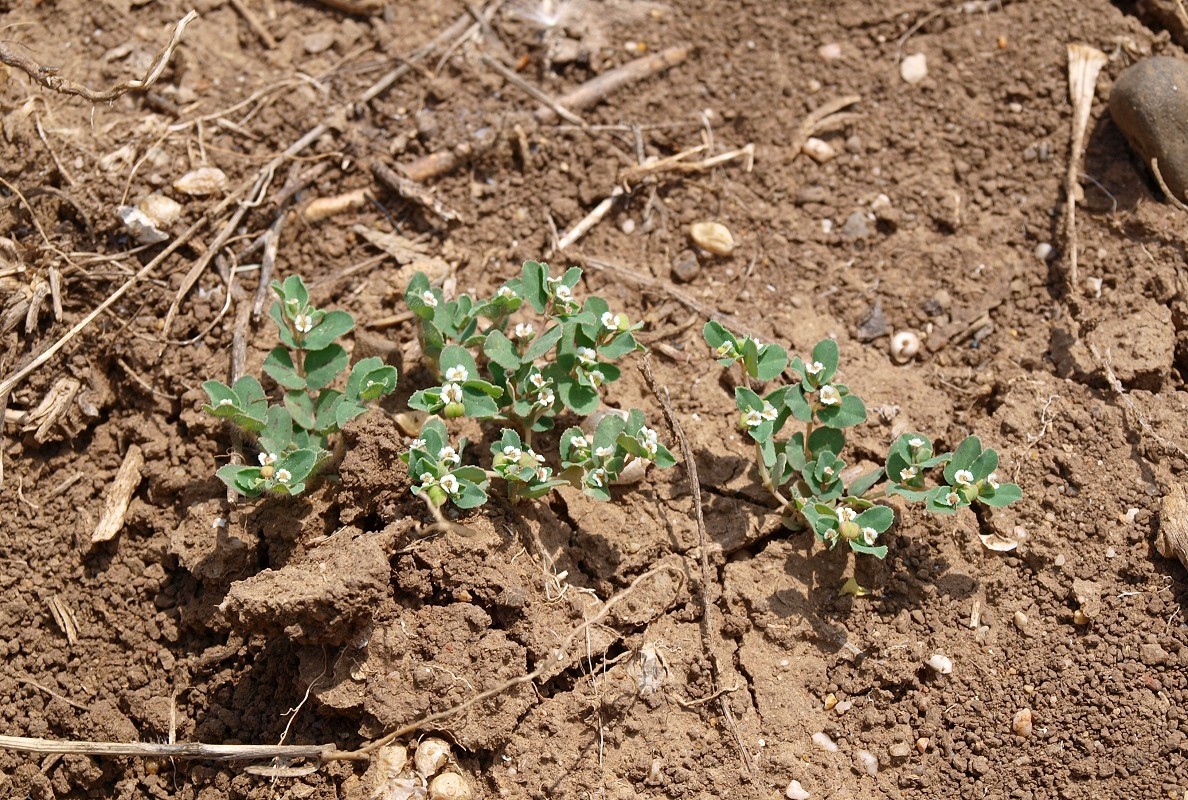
(318, 42)
(830, 701)
(1111, 552)
(941, 664)
(1060, 560)
(795, 791)
(1021, 724)
(914, 68)
(814, 86)
(900, 750)
(1043, 251)
(868, 762)
(819, 150)
(922, 744)
(843, 707)
(827, 225)
(686, 266)
(821, 741)
(829, 52)
(713, 237)
(856, 227)
(627, 226)
(1015, 108)
(1020, 620)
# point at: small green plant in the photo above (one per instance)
(522, 377)
(803, 472)
(295, 436)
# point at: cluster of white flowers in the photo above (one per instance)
(846, 514)
(417, 444)
(266, 459)
(650, 441)
(756, 417)
(505, 291)
(604, 452)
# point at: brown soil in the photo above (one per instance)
(208, 622)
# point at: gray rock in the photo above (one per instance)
(856, 227)
(1149, 103)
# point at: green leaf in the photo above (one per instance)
(333, 325)
(911, 495)
(299, 463)
(826, 440)
(608, 430)
(1004, 495)
(242, 479)
(532, 285)
(663, 458)
(798, 404)
(964, 457)
(620, 346)
(278, 432)
(716, 335)
(934, 501)
(750, 355)
(218, 392)
(414, 296)
(985, 464)
(323, 366)
(863, 483)
(301, 408)
(579, 399)
(794, 452)
(432, 340)
(354, 386)
(279, 366)
(294, 289)
(345, 411)
(825, 352)
(478, 403)
(469, 495)
(377, 383)
(877, 517)
(282, 327)
(879, 552)
(851, 411)
(501, 350)
(771, 362)
(489, 389)
(543, 344)
(435, 436)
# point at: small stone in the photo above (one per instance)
(814, 86)
(880, 203)
(979, 765)
(319, 42)
(686, 266)
(1043, 251)
(627, 226)
(1021, 724)
(829, 52)
(1020, 620)
(812, 194)
(795, 791)
(819, 150)
(830, 701)
(922, 744)
(900, 750)
(201, 182)
(843, 706)
(1150, 105)
(713, 237)
(914, 68)
(941, 664)
(821, 741)
(1059, 561)
(1152, 654)
(873, 325)
(867, 761)
(856, 227)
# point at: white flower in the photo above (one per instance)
(609, 320)
(579, 442)
(457, 374)
(597, 478)
(604, 452)
(537, 380)
(448, 455)
(827, 472)
(537, 456)
(649, 434)
(830, 395)
(753, 418)
(586, 355)
(417, 444)
(951, 499)
(427, 479)
(915, 442)
(650, 448)
(543, 473)
(505, 291)
(814, 368)
(450, 484)
(292, 301)
(512, 452)
(758, 344)
(846, 514)
(546, 399)
(226, 401)
(831, 536)
(266, 459)
(963, 476)
(725, 349)
(451, 393)
(909, 473)
(283, 475)
(563, 293)
(303, 323)
(524, 330)
(596, 377)
(870, 536)
(769, 413)
(992, 479)
(429, 298)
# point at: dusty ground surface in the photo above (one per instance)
(931, 213)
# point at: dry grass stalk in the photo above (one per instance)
(1084, 65)
(48, 77)
(119, 494)
(595, 89)
(413, 192)
(321, 208)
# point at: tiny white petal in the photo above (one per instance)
(963, 476)
(915, 442)
(814, 368)
(429, 298)
(450, 484)
(451, 393)
(846, 514)
(283, 475)
(870, 536)
(457, 374)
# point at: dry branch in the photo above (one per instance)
(609, 82)
(119, 494)
(819, 119)
(413, 192)
(50, 79)
(213, 752)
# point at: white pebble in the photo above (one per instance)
(821, 741)
(843, 706)
(829, 52)
(827, 226)
(819, 150)
(1111, 552)
(1043, 251)
(1016, 108)
(905, 345)
(627, 226)
(868, 761)
(1131, 513)
(914, 68)
(1022, 724)
(941, 664)
(880, 202)
(795, 791)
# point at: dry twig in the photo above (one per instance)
(819, 119)
(50, 79)
(706, 626)
(595, 89)
(119, 494)
(532, 91)
(413, 192)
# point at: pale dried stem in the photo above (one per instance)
(595, 89)
(1084, 65)
(535, 93)
(48, 77)
(119, 494)
(589, 221)
(254, 23)
(819, 119)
